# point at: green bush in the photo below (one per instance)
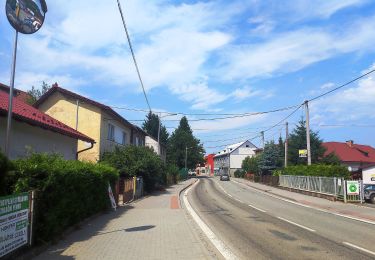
(68, 191)
(316, 170)
(172, 174)
(133, 161)
(239, 173)
(251, 164)
(5, 168)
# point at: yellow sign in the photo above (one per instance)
(302, 153)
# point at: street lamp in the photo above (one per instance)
(160, 117)
(27, 17)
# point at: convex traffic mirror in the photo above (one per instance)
(26, 16)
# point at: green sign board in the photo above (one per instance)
(14, 221)
(352, 187)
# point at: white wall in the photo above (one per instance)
(368, 175)
(25, 137)
(152, 143)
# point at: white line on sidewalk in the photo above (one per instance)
(223, 249)
(298, 225)
(251, 206)
(359, 248)
(240, 201)
(306, 206)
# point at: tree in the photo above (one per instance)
(297, 141)
(331, 159)
(270, 158)
(251, 164)
(281, 147)
(35, 93)
(181, 139)
(151, 126)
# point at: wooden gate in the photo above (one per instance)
(126, 190)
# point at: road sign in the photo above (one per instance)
(352, 187)
(302, 153)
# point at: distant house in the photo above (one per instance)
(35, 131)
(355, 156)
(209, 163)
(230, 159)
(153, 143)
(101, 122)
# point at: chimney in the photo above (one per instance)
(350, 143)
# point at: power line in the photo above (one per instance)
(343, 85)
(225, 145)
(132, 52)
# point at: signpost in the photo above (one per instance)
(302, 153)
(352, 187)
(14, 222)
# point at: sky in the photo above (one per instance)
(212, 58)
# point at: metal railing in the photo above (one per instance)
(325, 185)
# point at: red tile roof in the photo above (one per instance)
(28, 114)
(355, 153)
(24, 96)
(109, 110)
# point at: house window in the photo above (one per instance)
(247, 145)
(123, 138)
(111, 132)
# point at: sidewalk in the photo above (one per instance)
(350, 210)
(154, 227)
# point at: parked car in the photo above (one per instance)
(191, 174)
(224, 177)
(370, 192)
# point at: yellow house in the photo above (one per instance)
(98, 121)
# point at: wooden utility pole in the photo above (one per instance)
(308, 133)
(286, 145)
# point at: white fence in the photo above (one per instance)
(326, 185)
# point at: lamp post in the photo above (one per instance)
(27, 17)
(160, 117)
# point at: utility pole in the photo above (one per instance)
(308, 133)
(286, 144)
(262, 133)
(159, 150)
(185, 157)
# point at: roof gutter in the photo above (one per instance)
(86, 149)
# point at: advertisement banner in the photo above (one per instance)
(302, 153)
(14, 221)
(352, 187)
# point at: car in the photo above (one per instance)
(370, 192)
(191, 174)
(224, 177)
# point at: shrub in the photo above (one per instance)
(133, 161)
(239, 173)
(68, 191)
(5, 167)
(172, 174)
(317, 170)
(251, 164)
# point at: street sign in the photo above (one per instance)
(302, 153)
(352, 187)
(26, 16)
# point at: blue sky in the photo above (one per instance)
(211, 57)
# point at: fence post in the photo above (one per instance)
(344, 187)
(32, 217)
(361, 191)
(320, 184)
(308, 183)
(335, 186)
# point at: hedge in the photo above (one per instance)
(68, 191)
(315, 170)
(5, 167)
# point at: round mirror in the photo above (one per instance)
(26, 16)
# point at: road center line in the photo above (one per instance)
(359, 248)
(251, 206)
(223, 249)
(298, 225)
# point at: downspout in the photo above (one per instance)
(86, 149)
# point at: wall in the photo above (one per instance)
(64, 109)
(368, 175)
(152, 143)
(108, 145)
(26, 138)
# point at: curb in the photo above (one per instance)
(182, 190)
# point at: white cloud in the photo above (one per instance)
(244, 93)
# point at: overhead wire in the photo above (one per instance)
(133, 55)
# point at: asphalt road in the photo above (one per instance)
(256, 226)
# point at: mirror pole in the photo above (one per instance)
(11, 89)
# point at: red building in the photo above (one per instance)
(209, 164)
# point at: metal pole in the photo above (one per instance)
(159, 135)
(262, 133)
(10, 107)
(185, 157)
(32, 218)
(77, 114)
(286, 144)
(308, 133)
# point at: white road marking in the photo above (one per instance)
(223, 249)
(298, 225)
(251, 206)
(238, 200)
(359, 248)
(306, 206)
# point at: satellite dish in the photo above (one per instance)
(26, 16)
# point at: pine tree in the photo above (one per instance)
(270, 158)
(151, 126)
